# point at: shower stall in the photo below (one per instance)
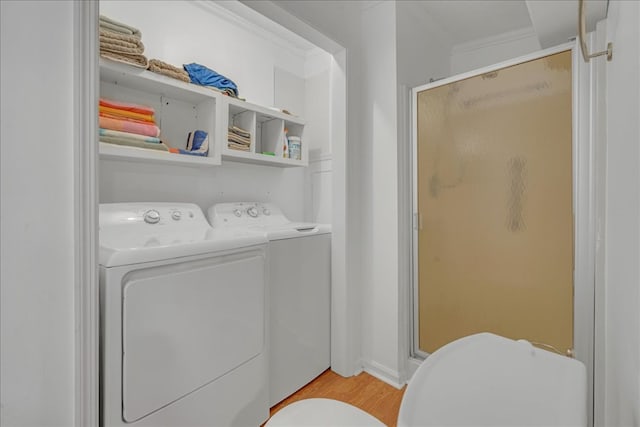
(499, 206)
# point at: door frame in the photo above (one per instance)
(583, 205)
(85, 192)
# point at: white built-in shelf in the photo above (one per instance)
(123, 152)
(262, 111)
(184, 107)
(148, 81)
(267, 128)
(259, 159)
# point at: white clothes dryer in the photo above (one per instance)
(182, 319)
(299, 283)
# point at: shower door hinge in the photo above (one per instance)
(417, 221)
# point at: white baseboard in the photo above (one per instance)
(383, 373)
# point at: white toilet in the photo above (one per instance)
(479, 380)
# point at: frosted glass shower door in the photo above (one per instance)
(494, 183)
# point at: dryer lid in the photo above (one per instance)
(485, 379)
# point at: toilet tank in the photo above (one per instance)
(488, 380)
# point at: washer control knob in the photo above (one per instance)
(152, 216)
(237, 212)
(266, 211)
(252, 212)
(176, 215)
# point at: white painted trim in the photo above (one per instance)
(414, 307)
(499, 39)
(236, 13)
(599, 120)
(345, 312)
(383, 373)
(584, 221)
(405, 238)
(85, 212)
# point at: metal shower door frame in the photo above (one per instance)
(583, 203)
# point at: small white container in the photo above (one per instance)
(295, 147)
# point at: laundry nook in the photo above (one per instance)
(285, 213)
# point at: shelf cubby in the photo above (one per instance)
(179, 107)
(267, 134)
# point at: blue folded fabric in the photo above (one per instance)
(197, 144)
(204, 76)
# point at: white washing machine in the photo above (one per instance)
(182, 319)
(299, 286)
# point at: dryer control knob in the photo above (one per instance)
(237, 212)
(152, 216)
(176, 215)
(252, 212)
(266, 211)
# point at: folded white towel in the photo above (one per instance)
(119, 27)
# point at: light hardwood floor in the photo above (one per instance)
(363, 391)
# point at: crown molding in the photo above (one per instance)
(253, 22)
(368, 4)
(499, 39)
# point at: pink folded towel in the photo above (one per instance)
(126, 126)
(127, 106)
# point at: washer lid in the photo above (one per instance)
(132, 233)
(291, 230)
(488, 380)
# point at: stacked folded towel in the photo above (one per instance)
(169, 70)
(121, 42)
(129, 124)
(239, 139)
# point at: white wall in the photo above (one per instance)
(622, 241)
(37, 271)
(380, 342)
(317, 101)
(423, 48)
(181, 32)
(317, 134)
(124, 181)
(268, 69)
(481, 53)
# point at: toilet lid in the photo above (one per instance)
(489, 380)
(322, 412)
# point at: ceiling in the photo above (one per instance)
(469, 20)
(463, 21)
